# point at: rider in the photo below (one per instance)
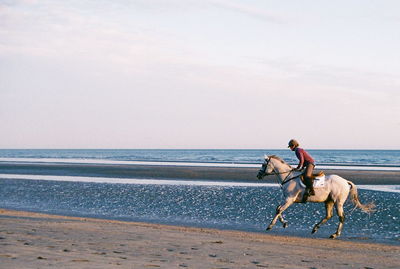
(307, 162)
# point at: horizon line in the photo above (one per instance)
(192, 149)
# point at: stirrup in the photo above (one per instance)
(305, 196)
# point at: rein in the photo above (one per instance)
(284, 181)
(287, 180)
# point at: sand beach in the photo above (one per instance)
(133, 132)
(32, 240)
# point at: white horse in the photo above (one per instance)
(334, 191)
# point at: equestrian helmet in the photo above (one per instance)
(293, 143)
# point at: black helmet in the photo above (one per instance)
(293, 143)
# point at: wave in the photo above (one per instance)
(143, 181)
(137, 181)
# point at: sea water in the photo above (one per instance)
(372, 158)
(223, 205)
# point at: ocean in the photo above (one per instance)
(245, 206)
(360, 158)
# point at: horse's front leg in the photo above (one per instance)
(283, 221)
(279, 211)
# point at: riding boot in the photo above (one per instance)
(312, 192)
(310, 185)
(305, 195)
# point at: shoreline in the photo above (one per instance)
(235, 174)
(32, 240)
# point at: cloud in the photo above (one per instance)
(345, 76)
(135, 69)
(249, 10)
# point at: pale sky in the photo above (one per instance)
(199, 74)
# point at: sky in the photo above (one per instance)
(172, 74)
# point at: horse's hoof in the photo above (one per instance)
(285, 225)
(314, 231)
(333, 236)
(268, 228)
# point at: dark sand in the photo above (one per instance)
(32, 240)
(182, 172)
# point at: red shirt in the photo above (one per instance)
(303, 157)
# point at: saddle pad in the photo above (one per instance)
(319, 182)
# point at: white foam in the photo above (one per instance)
(386, 188)
(359, 168)
(144, 181)
(135, 181)
(101, 161)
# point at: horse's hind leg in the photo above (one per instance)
(328, 209)
(279, 211)
(340, 212)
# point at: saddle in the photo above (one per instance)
(317, 178)
(319, 174)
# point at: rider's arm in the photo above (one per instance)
(300, 156)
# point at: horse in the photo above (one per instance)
(334, 192)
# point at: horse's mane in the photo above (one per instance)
(279, 159)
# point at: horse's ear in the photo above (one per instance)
(266, 157)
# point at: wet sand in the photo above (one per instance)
(32, 240)
(182, 172)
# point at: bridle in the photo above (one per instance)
(275, 173)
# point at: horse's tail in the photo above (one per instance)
(367, 208)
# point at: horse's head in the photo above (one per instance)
(266, 168)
